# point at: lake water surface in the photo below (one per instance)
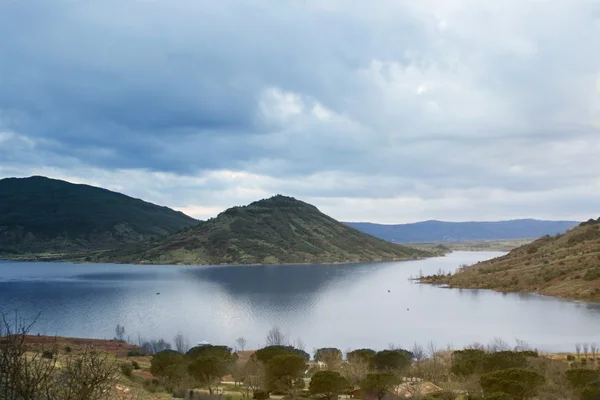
(346, 306)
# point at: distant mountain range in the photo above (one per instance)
(272, 231)
(39, 214)
(439, 231)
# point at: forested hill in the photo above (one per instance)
(276, 230)
(440, 231)
(39, 214)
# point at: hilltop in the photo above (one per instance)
(565, 265)
(276, 230)
(39, 214)
(440, 231)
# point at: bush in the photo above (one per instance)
(135, 364)
(498, 396)
(151, 385)
(570, 357)
(578, 377)
(136, 353)
(127, 369)
(67, 349)
(180, 393)
(260, 395)
(518, 383)
(48, 354)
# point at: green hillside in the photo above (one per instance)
(276, 230)
(566, 265)
(39, 214)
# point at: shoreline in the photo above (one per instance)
(444, 285)
(74, 261)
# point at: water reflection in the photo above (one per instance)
(326, 305)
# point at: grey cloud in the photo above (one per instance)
(394, 99)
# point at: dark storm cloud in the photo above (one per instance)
(433, 100)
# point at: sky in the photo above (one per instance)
(388, 111)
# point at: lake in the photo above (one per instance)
(345, 306)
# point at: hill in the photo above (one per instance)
(440, 231)
(39, 214)
(566, 265)
(276, 230)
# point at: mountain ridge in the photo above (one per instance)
(444, 231)
(277, 230)
(40, 214)
(565, 265)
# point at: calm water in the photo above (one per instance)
(346, 306)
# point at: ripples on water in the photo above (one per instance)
(346, 306)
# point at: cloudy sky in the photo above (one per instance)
(388, 111)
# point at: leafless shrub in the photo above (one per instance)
(585, 349)
(578, 349)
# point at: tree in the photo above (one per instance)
(207, 371)
(265, 354)
(355, 370)
(276, 338)
(379, 384)
(504, 360)
(327, 385)
(331, 357)
(181, 343)
(25, 374)
(155, 346)
(253, 376)
(467, 362)
(391, 360)
(285, 372)
(519, 383)
(163, 360)
(89, 375)
(241, 342)
(120, 333)
(580, 377)
(222, 352)
(363, 354)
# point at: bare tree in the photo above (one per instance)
(120, 333)
(593, 349)
(155, 346)
(22, 376)
(521, 345)
(253, 376)
(497, 344)
(475, 346)
(276, 338)
(418, 352)
(181, 343)
(32, 373)
(355, 370)
(578, 349)
(585, 349)
(299, 344)
(88, 375)
(241, 342)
